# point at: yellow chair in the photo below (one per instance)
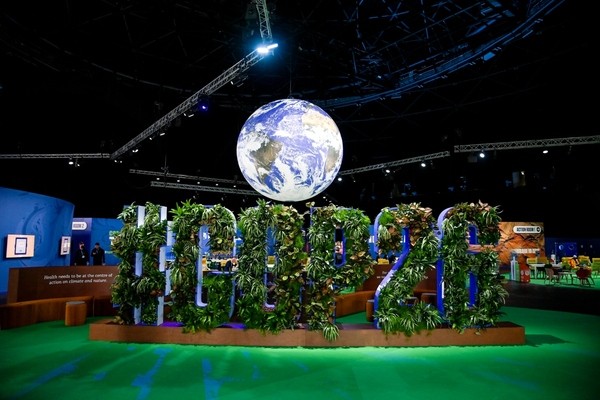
(566, 262)
(596, 266)
(585, 260)
(531, 260)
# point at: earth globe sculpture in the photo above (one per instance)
(289, 150)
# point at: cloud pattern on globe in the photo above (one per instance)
(289, 150)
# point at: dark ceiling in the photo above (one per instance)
(401, 79)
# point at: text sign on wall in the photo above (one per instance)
(527, 229)
(34, 283)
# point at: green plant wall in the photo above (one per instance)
(305, 279)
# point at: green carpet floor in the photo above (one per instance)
(560, 360)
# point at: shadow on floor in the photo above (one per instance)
(551, 297)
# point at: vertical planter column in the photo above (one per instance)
(139, 268)
(204, 249)
(168, 256)
(162, 262)
(141, 215)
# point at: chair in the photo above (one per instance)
(564, 275)
(596, 266)
(566, 262)
(585, 276)
(532, 263)
(540, 270)
(531, 260)
(551, 277)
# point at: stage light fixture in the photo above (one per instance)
(203, 104)
(265, 49)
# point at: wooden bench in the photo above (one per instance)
(356, 302)
(352, 303)
(22, 313)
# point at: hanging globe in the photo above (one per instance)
(289, 150)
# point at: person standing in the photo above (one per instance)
(82, 257)
(98, 255)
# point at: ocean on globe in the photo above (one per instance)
(289, 150)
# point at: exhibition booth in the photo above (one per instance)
(29, 247)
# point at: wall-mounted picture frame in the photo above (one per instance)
(18, 246)
(65, 245)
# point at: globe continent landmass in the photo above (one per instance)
(289, 150)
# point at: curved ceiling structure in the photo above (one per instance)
(406, 82)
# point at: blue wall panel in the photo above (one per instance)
(25, 213)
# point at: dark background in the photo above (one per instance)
(87, 77)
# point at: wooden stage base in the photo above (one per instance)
(351, 335)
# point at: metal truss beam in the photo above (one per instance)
(61, 155)
(464, 56)
(200, 188)
(190, 177)
(233, 72)
(528, 144)
(242, 66)
(263, 18)
(412, 160)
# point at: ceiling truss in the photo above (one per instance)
(528, 144)
(55, 155)
(200, 188)
(187, 177)
(228, 76)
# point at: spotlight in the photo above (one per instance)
(203, 104)
(266, 48)
(481, 154)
